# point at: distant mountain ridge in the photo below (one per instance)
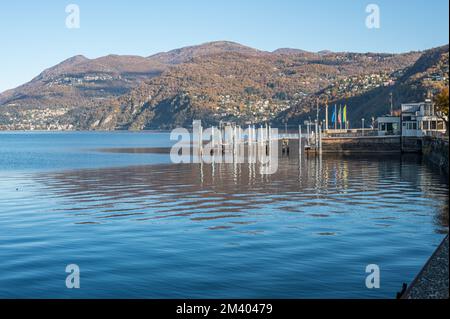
(186, 54)
(213, 81)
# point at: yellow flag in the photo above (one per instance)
(345, 113)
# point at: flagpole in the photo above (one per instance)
(317, 110)
(335, 116)
(344, 116)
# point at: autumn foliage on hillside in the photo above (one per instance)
(219, 81)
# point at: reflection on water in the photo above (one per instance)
(442, 218)
(223, 230)
(223, 192)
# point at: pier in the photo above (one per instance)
(230, 139)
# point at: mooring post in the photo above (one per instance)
(300, 141)
(234, 139)
(308, 133)
(224, 139)
(261, 135)
(265, 134)
(254, 137)
(197, 138)
(320, 140)
(238, 142)
(249, 142)
(213, 139)
(220, 139)
(201, 139)
(316, 136)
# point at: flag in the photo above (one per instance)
(333, 117)
(345, 113)
(340, 115)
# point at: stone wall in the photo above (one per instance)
(368, 144)
(412, 145)
(435, 150)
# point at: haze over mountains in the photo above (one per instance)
(217, 81)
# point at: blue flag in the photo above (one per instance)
(333, 117)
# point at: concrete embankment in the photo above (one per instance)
(362, 144)
(435, 151)
(432, 281)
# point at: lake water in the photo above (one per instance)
(141, 227)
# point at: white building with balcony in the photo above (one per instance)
(419, 119)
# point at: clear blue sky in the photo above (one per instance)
(33, 34)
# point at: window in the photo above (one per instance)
(410, 125)
(440, 125)
(433, 125)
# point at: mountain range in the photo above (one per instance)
(218, 81)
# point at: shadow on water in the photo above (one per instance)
(441, 218)
(135, 150)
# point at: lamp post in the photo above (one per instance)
(362, 127)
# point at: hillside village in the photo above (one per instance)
(216, 81)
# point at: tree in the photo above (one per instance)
(441, 102)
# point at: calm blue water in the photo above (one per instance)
(140, 227)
